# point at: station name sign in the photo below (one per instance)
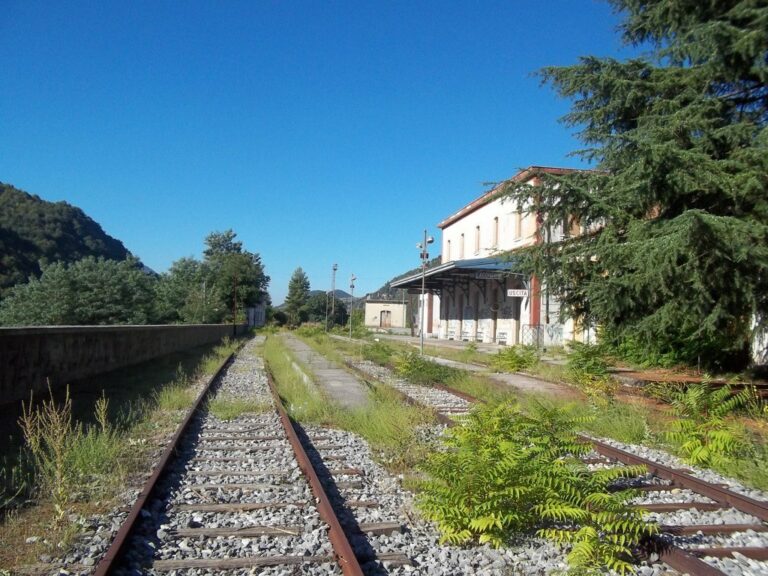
(515, 293)
(489, 275)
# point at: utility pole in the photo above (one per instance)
(424, 255)
(333, 293)
(351, 301)
(234, 309)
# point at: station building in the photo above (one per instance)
(476, 294)
(385, 314)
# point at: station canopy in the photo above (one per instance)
(459, 272)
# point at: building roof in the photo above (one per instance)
(522, 176)
(383, 301)
(450, 272)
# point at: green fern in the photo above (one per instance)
(506, 473)
(702, 432)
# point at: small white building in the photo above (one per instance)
(385, 314)
(476, 293)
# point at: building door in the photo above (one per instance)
(385, 319)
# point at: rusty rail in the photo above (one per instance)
(345, 556)
(117, 547)
(676, 557)
(717, 493)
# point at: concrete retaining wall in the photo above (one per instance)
(62, 354)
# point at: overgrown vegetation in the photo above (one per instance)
(77, 458)
(613, 418)
(505, 473)
(379, 353)
(231, 408)
(704, 431)
(176, 396)
(391, 427)
(70, 460)
(515, 359)
(212, 361)
(419, 370)
(587, 369)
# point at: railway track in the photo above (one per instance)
(707, 528)
(237, 495)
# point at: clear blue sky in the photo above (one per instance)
(319, 131)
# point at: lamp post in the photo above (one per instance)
(351, 301)
(424, 255)
(333, 298)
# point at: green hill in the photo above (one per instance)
(34, 231)
(386, 292)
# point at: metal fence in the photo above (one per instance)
(542, 334)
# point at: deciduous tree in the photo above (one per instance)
(318, 308)
(88, 292)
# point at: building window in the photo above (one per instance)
(461, 246)
(477, 239)
(448, 252)
(495, 239)
(518, 224)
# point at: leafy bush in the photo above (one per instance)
(587, 369)
(630, 349)
(378, 353)
(587, 358)
(515, 359)
(702, 431)
(418, 370)
(505, 473)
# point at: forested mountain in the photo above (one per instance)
(34, 231)
(340, 294)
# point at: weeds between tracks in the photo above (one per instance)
(732, 440)
(703, 422)
(390, 427)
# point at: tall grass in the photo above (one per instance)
(420, 370)
(317, 339)
(212, 361)
(303, 401)
(93, 455)
(69, 460)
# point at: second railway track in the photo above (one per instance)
(708, 528)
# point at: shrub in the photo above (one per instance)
(505, 473)
(587, 358)
(418, 370)
(515, 359)
(587, 369)
(378, 353)
(310, 330)
(702, 431)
